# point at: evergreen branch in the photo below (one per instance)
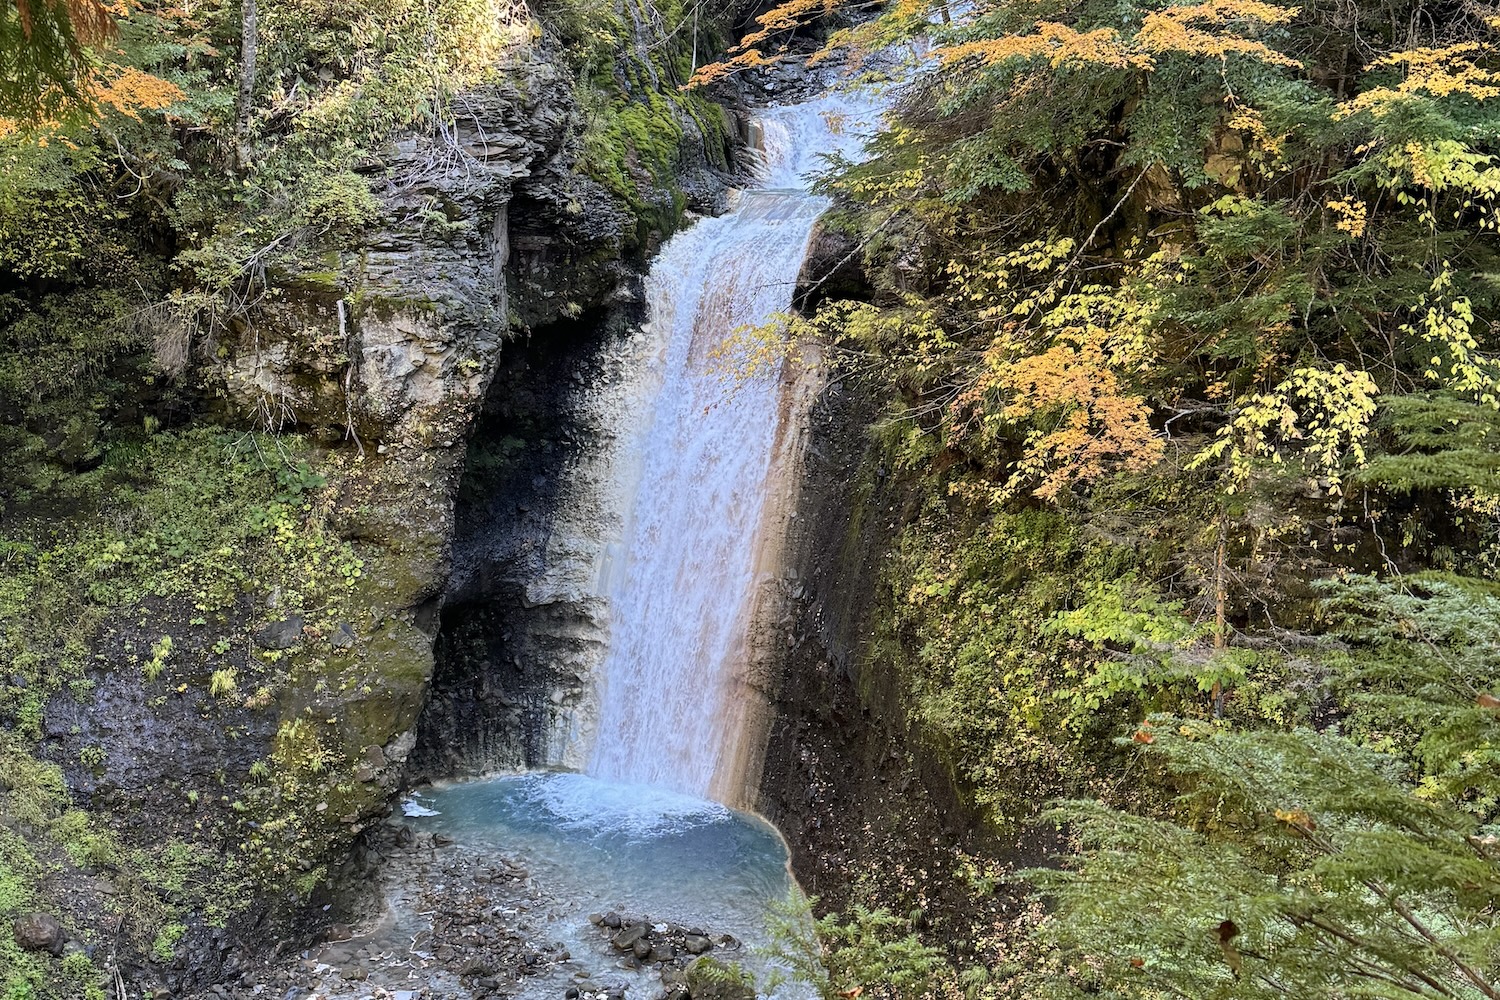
(1469, 972)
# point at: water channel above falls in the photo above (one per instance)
(696, 486)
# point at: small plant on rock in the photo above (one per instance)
(165, 945)
(160, 652)
(223, 683)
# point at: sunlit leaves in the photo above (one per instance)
(1449, 71)
(1445, 323)
(1200, 30)
(1318, 418)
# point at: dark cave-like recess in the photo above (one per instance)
(494, 681)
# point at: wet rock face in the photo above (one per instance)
(512, 653)
(833, 270)
(844, 779)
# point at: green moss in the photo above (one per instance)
(162, 561)
(165, 945)
(634, 132)
(192, 519)
(41, 831)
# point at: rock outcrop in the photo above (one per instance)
(491, 229)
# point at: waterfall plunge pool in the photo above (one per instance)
(591, 847)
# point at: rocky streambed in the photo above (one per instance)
(538, 886)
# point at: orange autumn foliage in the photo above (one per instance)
(748, 53)
(130, 91)
(1089, 425)
(124, 90)
(788, 17)
(106, 86)
(1214, 29)
(1059, 44)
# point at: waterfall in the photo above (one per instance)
(682, 579)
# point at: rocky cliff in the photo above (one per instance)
(267, 725)
(868, 799)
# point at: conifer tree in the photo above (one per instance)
(1299, 865)
(42, 56)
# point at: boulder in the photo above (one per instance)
(40, 932)
(627, 937)
(280, 635)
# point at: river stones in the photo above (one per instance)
(666, 945)
(626, 939)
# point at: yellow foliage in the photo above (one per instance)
(1183, 30)
(1317, 417)
(1351, 215)
(1443, 166)
(1444, 72)
(1446, 324)
(1266, 147)
(1198, 30)
(1059, 44)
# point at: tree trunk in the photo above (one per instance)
(248, 39)
(1221, 601)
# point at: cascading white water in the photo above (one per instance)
(681, 586)
(680, 492)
